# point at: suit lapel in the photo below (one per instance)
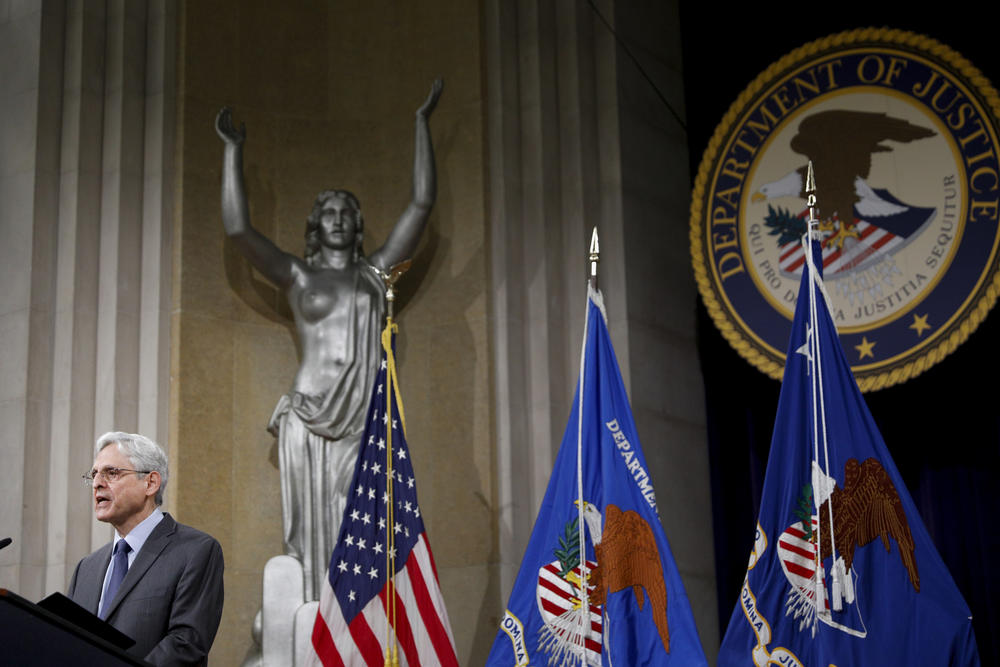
(150, 551)
(90, 584)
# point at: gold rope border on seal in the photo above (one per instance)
(988, 292)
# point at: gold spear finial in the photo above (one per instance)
(595, 257)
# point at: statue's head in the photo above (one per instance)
(314, 228)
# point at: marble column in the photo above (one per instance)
(85, 189)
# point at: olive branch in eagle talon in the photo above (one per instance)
(804, 511)
(568, 555)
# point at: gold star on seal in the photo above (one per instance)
(920, 324)
(865, 348)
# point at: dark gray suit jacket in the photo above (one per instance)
(171, 600)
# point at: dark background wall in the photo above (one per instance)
(941, 427)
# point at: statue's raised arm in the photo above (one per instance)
(403, 239)
(274, 263)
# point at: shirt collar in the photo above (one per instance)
(138, 535)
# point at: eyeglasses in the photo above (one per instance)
(110, 474)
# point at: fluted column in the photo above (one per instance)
(86, 177)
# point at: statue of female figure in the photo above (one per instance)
(338, 305)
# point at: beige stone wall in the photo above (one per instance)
(328, 92)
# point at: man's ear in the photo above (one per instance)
(153, 481)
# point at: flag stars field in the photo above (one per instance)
(356, 609)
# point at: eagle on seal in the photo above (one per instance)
(841, 143)
(627, 557)
(867, 507)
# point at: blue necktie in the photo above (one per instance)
(119, 568)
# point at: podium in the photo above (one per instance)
(31, 635)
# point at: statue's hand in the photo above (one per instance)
(432, 99)
(224, 128)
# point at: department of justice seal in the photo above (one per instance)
(903, 135)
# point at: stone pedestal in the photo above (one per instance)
(282, 631)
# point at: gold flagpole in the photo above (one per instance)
(389, 280)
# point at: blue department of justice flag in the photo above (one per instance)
(875, 591)
(623, 602)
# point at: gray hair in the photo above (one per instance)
(144, 454)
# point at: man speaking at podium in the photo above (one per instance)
(158, 581)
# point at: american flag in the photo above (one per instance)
(360, 612)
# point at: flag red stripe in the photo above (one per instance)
(795, 568)
(796, 549)
(552, 587)
(432, 622)
(323, 644)
(401, 622)
(591, 644)
(555, 610)
(594, 609)
(430, 556)
(366, 641)
(795, 532)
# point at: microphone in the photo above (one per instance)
(5, 541)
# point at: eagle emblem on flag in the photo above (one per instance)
(627, 559)
(598, 582)
(867, 507)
